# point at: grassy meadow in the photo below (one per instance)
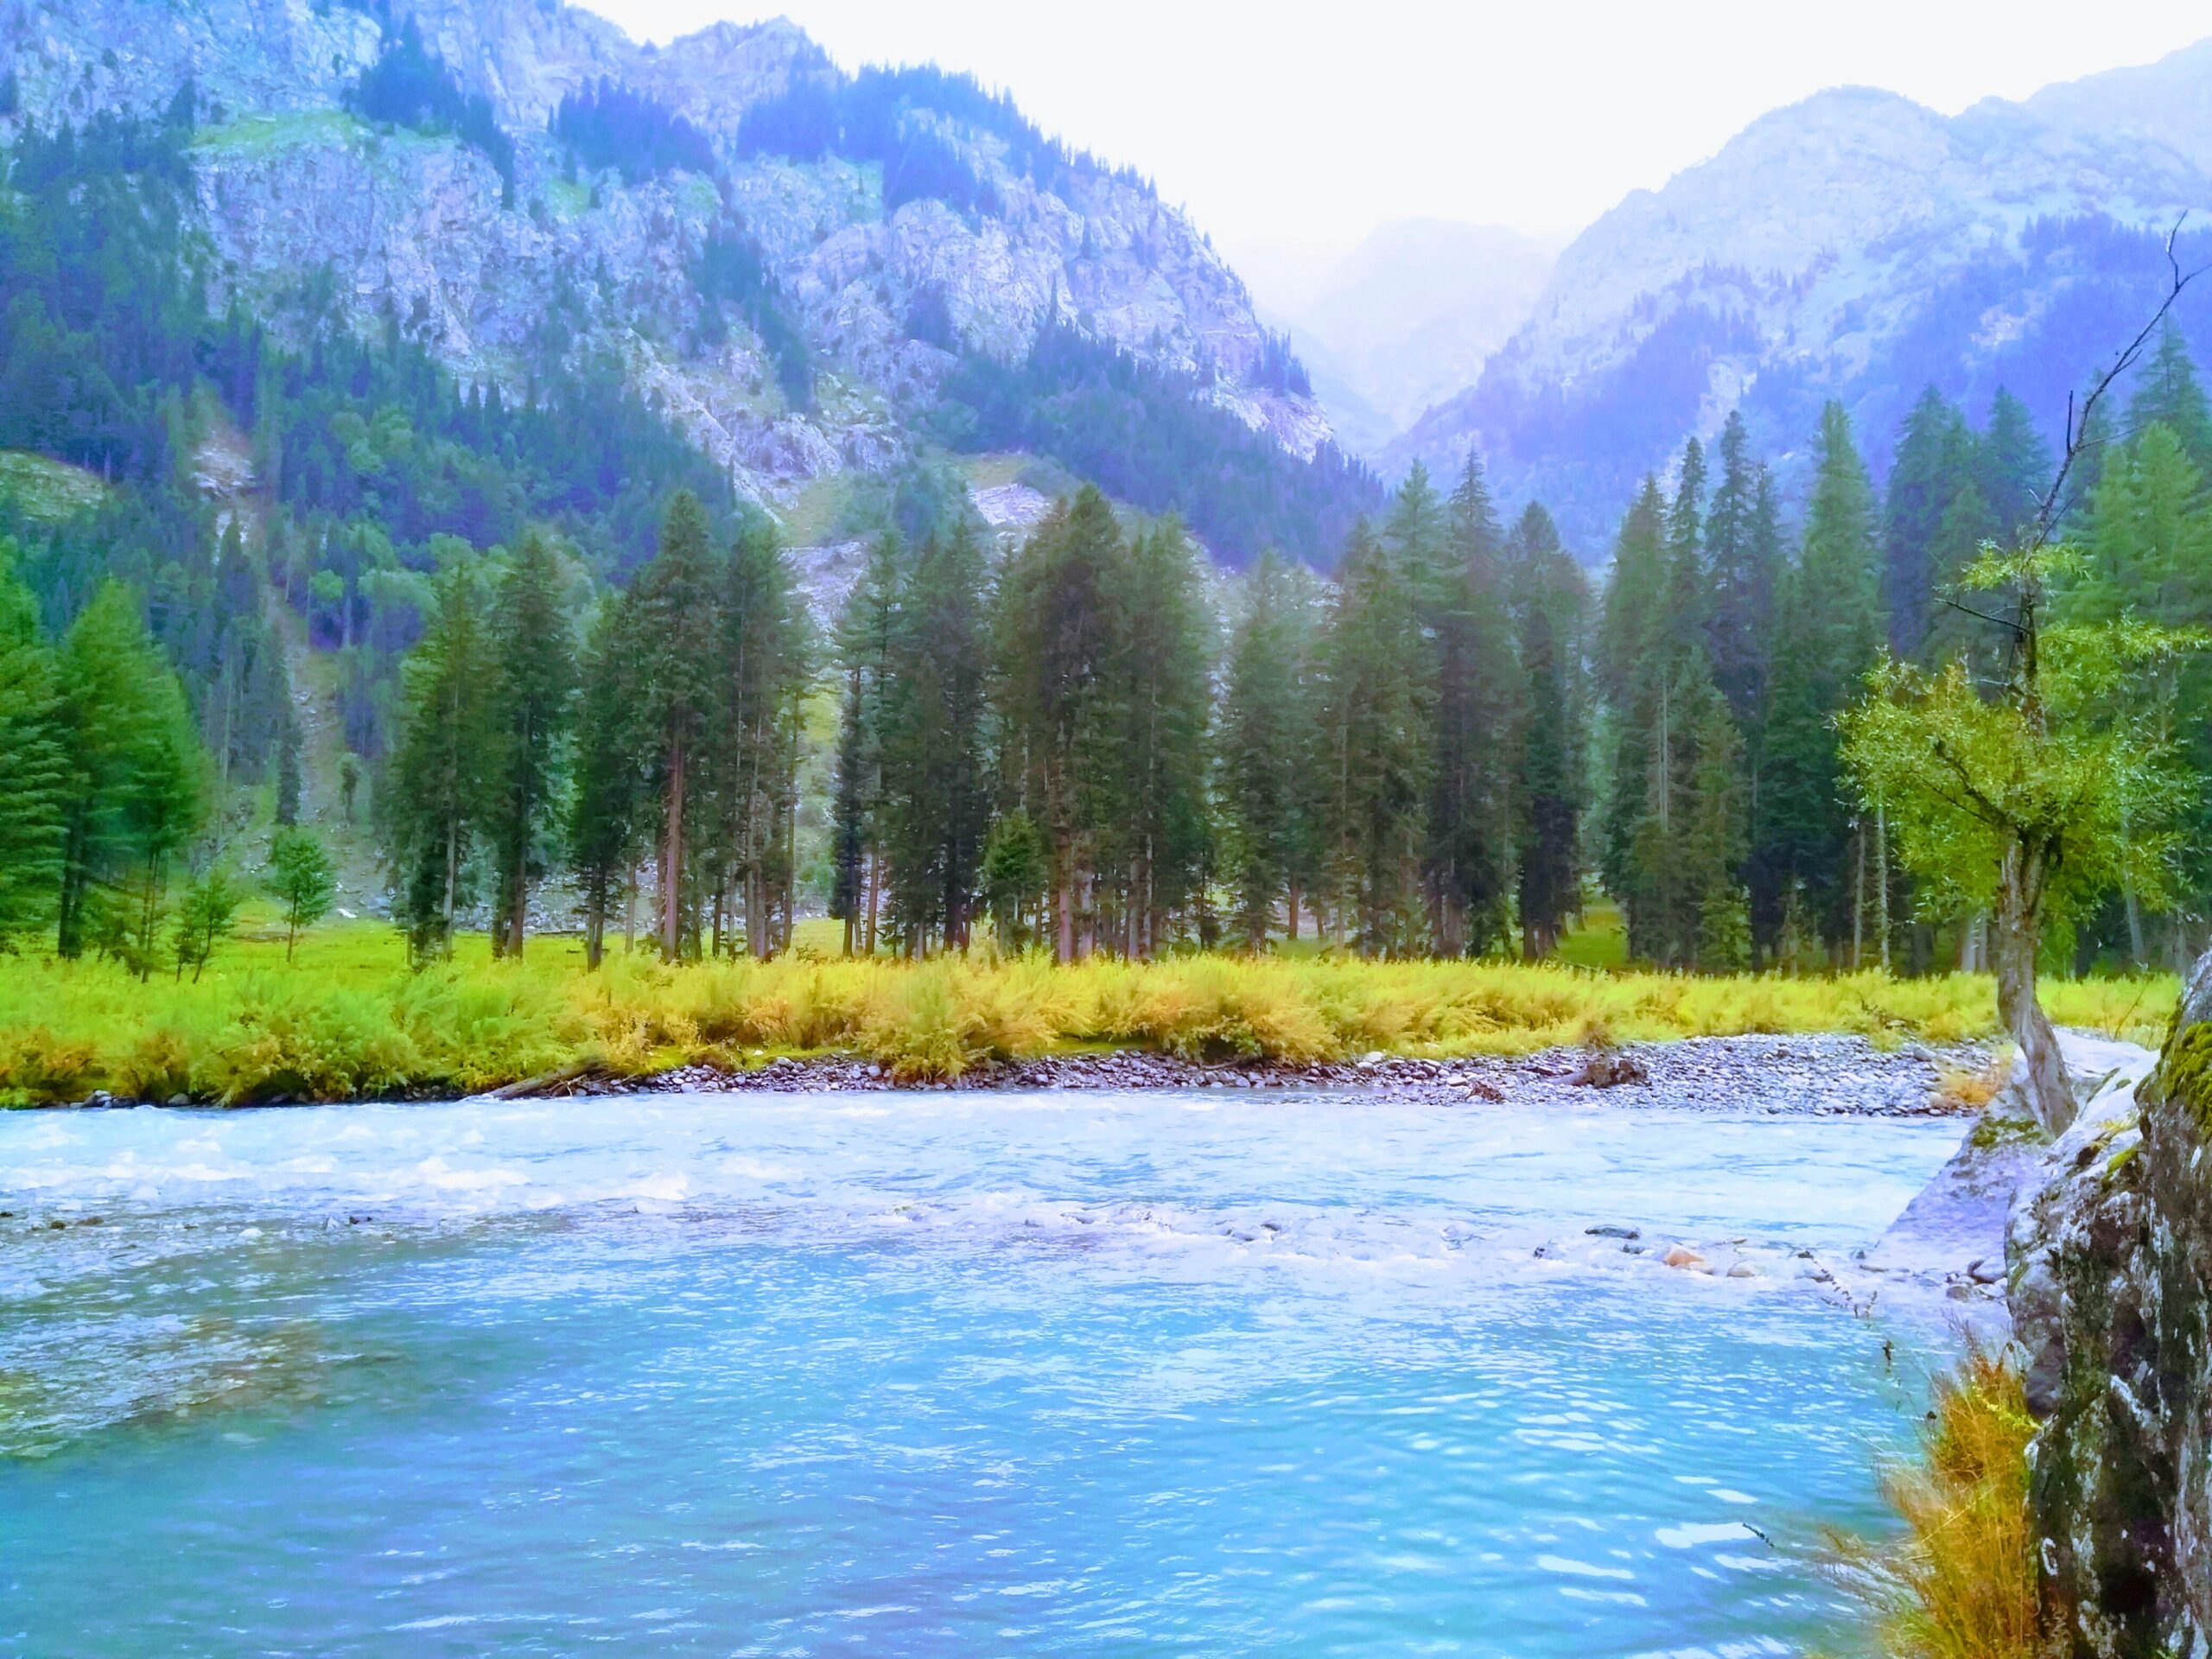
(346, 1018)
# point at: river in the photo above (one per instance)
(938, 1373)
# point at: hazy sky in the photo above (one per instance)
(1291, 129)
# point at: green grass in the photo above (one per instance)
(44, 488)
(347, 1019)
(258, 135)
(812, 516)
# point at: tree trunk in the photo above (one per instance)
(2016, 932)
(671, 857)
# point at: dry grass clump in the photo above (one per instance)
(1967, 1087)
(1960, 1581)
(348, 1020)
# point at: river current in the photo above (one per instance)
(938, 1373)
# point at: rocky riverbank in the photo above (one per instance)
(2109, 1265)
(1817, 1075)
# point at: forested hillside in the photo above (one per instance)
(554, 649)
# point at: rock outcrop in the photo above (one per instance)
(2109, 1261)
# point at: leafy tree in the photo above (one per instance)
(205, 918)
(2027, 803)
(303, 880)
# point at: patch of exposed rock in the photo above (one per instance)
(2110, 1263)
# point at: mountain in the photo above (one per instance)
(1410, 316)
(1857, 246)
(805, 274)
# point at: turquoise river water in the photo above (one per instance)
(938, 1373)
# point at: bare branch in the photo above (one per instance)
(2050, 508)
(2001, 621)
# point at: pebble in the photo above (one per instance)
(1820, 1075)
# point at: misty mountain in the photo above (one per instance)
(1410, 316)
(1856, 246)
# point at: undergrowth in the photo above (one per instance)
(348, 1020)
(1959, 1581)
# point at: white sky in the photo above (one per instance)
(1291, 129)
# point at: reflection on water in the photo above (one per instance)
(932, 1374)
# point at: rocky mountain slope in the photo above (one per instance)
(793, 297)
(1854, 246)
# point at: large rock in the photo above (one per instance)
(2109, 1258)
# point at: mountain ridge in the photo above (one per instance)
(1818, 254)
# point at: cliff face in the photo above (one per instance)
(297, 193)
(2110, 1266)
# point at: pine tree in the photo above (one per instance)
(435, 800)
(1934, 460)
(2012, 467)
(1741, 547)
(136, 792)
(1156, 839)
(1477, 702)
(34, 766)
(1548, 603)
(677, 617)
(607, 806)
(1628, 664)
(1827, 634)
(1712, 846)
(2169, 394)
(1377, 722)
(534, 670)
(1264, 750)
(1966, 525)
(1059, 726)
(935, 775)
(763, 656)
(866, 631)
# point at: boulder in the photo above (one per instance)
(2108, 1266)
